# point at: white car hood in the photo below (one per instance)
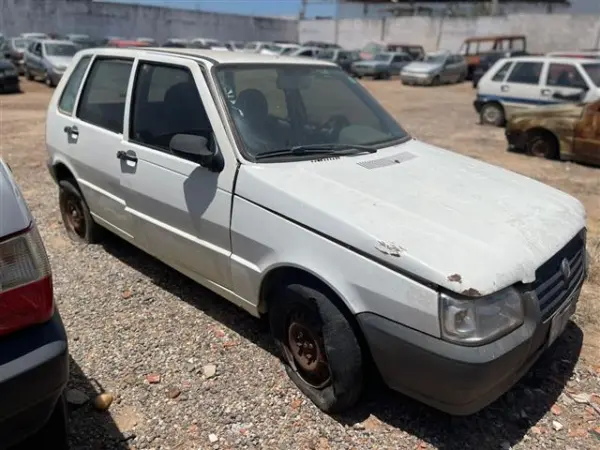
(462, 224)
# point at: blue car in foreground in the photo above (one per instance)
(34, 358)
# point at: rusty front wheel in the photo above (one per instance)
(318, 345)
(76, 217)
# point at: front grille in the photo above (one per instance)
(551, 286)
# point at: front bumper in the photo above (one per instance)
(34, 369)
(408, 78)
(462, 380)
(367, 72)
(517, 140)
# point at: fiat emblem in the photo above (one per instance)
(565, 267)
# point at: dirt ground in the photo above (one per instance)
(543, 411)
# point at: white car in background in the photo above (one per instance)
(514, 84)
(258, 46)
(280, 49)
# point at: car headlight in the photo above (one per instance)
(59, 67)
(476, 321)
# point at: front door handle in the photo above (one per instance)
(128, 155)
(504, 88)
(72, 131)
(546, 92)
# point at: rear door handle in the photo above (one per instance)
(72, 131)
(128, 155)
(504, 88)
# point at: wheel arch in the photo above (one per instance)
(541, 130)
(279, 275)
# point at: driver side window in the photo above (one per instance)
(166, 102)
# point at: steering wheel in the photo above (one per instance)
(334, 125)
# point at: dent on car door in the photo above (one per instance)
(587, 135)
(181, 209)
(95, 133)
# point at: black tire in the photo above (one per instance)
(492, 114)
(436, 81)
(542, 144)
(76, 217)
(28, 74)
(54, 435)
(48, 81)
(324, 338)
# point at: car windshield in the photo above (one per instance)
(382, 57)
(280, 106)
(20, 43)
(435, 58)
(60, 49)
(593, 71)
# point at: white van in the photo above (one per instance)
(284, 186)
(513, 84)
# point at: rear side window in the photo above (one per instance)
(526, 73)
(103, 98)
(69, 95)
(501, 74)
(565, 75)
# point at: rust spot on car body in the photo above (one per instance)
(471, 292)
(455, 278)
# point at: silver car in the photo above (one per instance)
(436, 68)
(382, 66)
(48, 60)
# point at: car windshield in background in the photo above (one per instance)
(436, 59)
(288, 50)
(60, 49)
(20, 43)
(593, 70)
(382, 57)
(282, 107)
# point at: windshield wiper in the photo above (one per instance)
(328, 149)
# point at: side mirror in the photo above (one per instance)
(196, 147)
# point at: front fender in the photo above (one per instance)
(263, 241)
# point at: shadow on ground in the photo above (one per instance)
(501, 425)
(90, 429)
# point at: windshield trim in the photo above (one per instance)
(596, 64)
(50, 44)
(221, 101)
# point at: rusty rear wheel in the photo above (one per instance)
(542, 144)
(76, 217)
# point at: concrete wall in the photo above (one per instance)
(545, 32)
(105, 19)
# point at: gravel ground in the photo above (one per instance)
(190, 371)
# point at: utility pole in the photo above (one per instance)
(302, 14)
(494, 7)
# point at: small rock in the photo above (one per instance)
(213, 438)
(578, 432)
(76, 397)
(174, 393)
(557, 425)
(126, 294)
(536, 430)
(296, 403)
(153, 378)
(566, 400)
(556, 410)
(229, 344)
(103, 401)
(209, 371)
(581, 398)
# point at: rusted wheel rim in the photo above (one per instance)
(539, 147)
(305, 352)
(74, 216)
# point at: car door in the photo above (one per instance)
(181, 209)
(94, 134)
(522, 88)
(396, 64)
(564, 83)
(33, 56)
(587, 135)
(449, 70)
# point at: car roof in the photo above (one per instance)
(54, 41)
(215, 57)
(551, 58)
